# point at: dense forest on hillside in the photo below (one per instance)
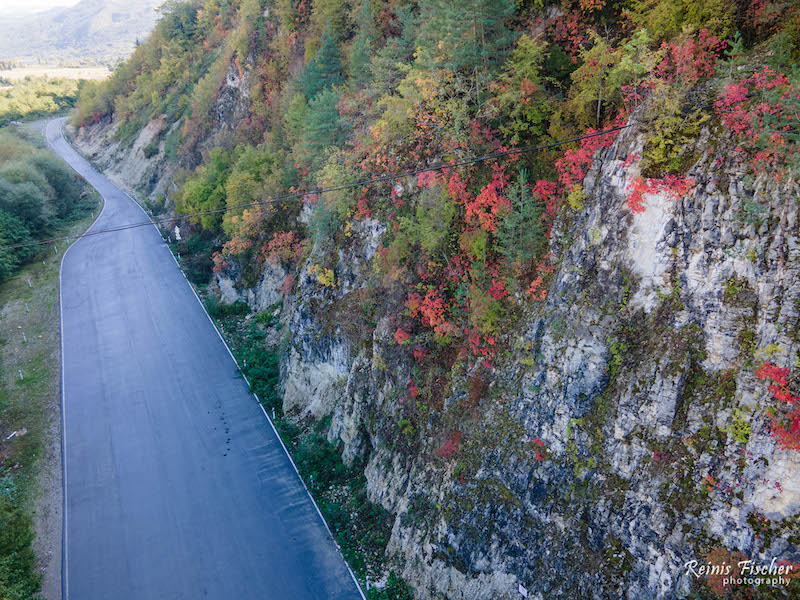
(247, 101)
(342, 90)
(88, 32)
(36, 97)
(38, 194)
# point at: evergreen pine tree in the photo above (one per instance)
(324, 127)
(325, 68)
(391, 63)
(361, 50)
(465, 35)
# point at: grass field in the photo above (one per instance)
(55, 72)
(30, 460)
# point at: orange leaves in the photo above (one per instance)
(589, 6)
(639, 187)
(489, 204)
(536, 291)
(401, 337)
(432, 309)
(413, 303)
(286, 247)
(457, 188)
(429, 179)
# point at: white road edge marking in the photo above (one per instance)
(214, 325)
(65, 512)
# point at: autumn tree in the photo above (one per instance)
(523, 103)
(204, 191)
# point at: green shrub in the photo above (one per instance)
(395, 589)
(218, 310)
(37, 192)
(197, 261)
(19, 579)
(150, 150)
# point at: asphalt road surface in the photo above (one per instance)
(176, 485)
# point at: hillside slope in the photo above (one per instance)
(91, 32)
(573, 369)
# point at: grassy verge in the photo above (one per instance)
(30, 406)
(361, 528)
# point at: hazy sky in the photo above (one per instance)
(21, 7)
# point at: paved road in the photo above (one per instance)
(176, 485)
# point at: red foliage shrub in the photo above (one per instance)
(539, 449)
(691, 60)
(573, 166)
(401, 337)
(787, 430)
(457, 188)
(498, 289)
(547, 192)
(482, 345)
(659, 456)
(489, 204)
(536, 291)
(287, 285)
(675, 186)
(432, 309)
(450, 446)
(720, 557)
(419, 353)
(219, 262)
(761, 111)
(286, 247)
(569, 32)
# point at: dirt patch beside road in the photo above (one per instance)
(30, 405)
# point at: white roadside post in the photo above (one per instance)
(522, 591)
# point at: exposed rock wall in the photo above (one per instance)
(623, 435)
(632, 374)
(143, 166)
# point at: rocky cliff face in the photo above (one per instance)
(144, 165)
(656, 444)
(622, 435)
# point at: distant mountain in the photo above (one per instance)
(92, 31)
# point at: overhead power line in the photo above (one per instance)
(315, 192)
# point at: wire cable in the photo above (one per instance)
(315, 192)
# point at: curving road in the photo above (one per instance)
(175, 484)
